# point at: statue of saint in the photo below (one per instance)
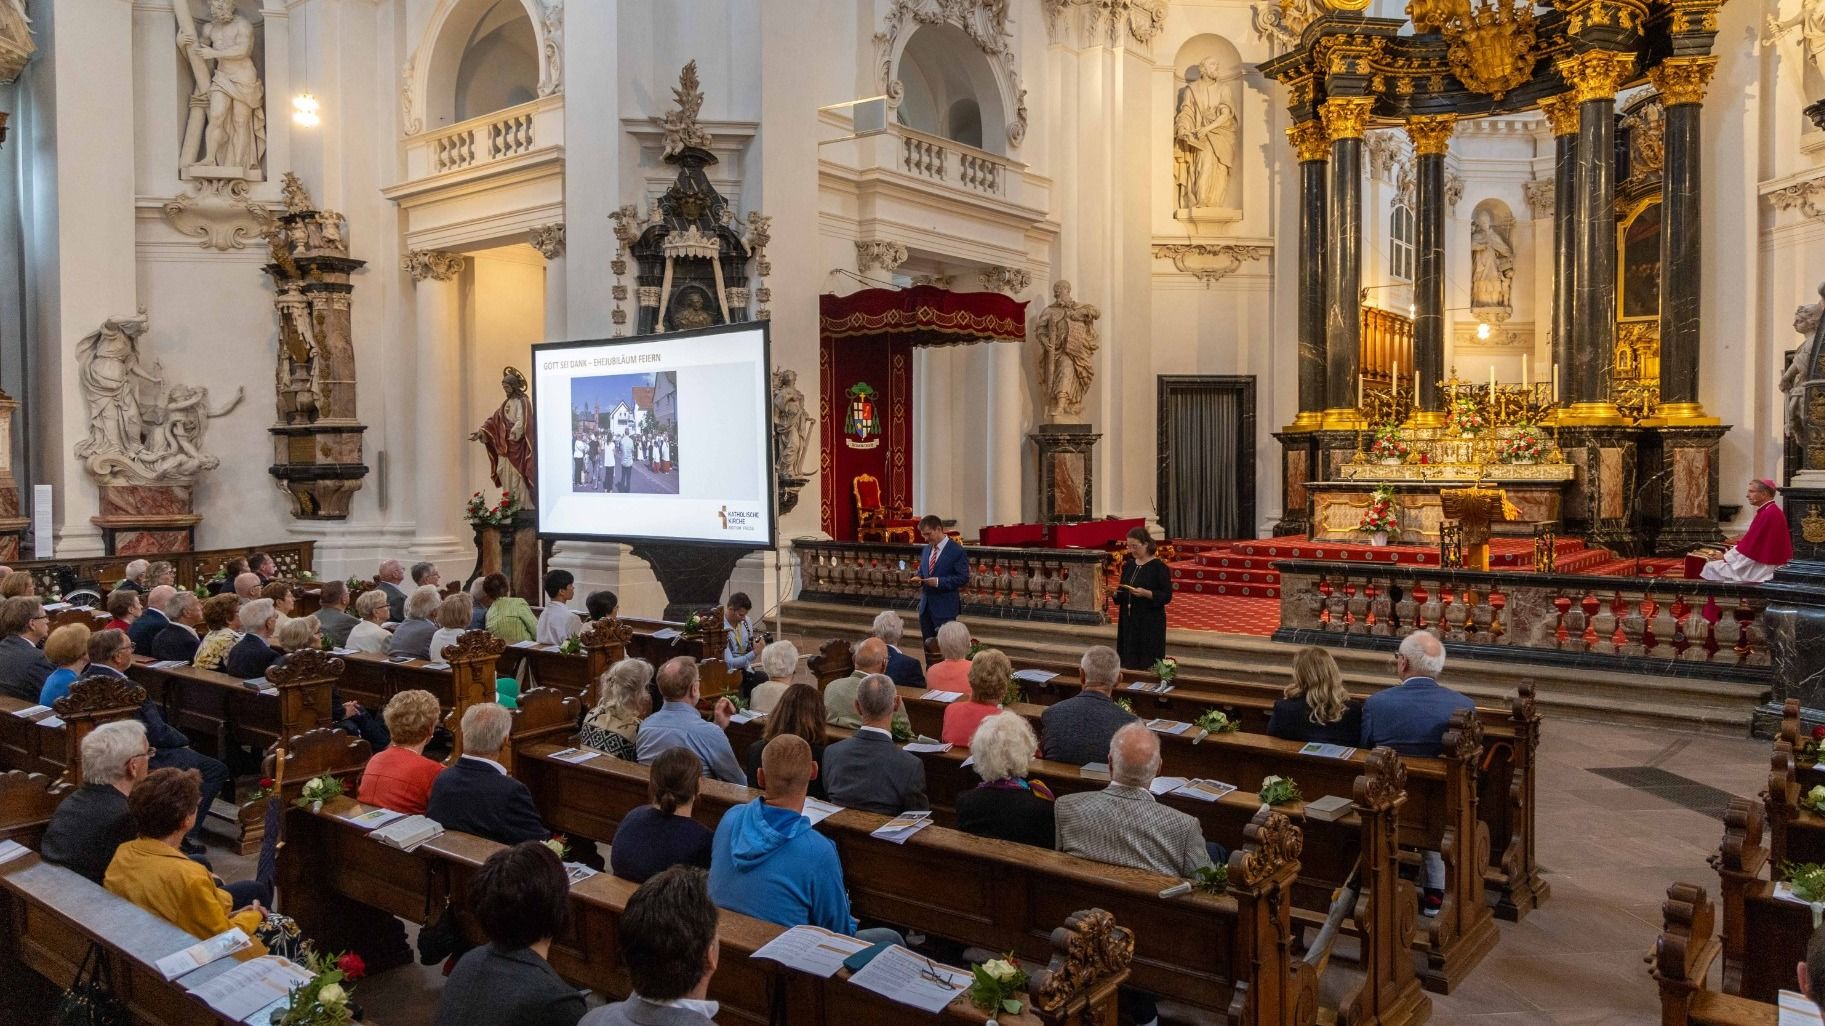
(1810, 20)
(235, 135)
(1066, 331)
(1491, 265)
(111, 377)
(1803, 366)
(507, 435)
(791, 425)
(1204, 134)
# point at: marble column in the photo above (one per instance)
(1562, 115)
(548, 239)
(1594, 76)
(1681, 82)
(435, 429)
(1345, 120)
(1314, 150)
(1005, 441)
(1431, 134)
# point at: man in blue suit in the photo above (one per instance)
(942, 572)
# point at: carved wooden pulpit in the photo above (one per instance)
(1475, 509)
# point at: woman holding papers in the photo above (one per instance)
(989, 673)
(1008, 804)
(1316, 706)
(1146, 587)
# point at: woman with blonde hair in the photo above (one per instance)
(989, 675)
(370, 612)
(399, 776)
(613, 726)
(67, 649)
(16, 584)
(1316, 706)
(453, 618)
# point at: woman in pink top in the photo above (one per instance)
(989, 674)
(953, 674)
(399, 777)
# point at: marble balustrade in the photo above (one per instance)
(1627, 624)
(1065, 585)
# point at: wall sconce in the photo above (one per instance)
(1482, 330)
(304, 110)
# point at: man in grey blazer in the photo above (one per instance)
(866, 771)
(387, 578)
(669, 944)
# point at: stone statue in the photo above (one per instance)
(791, 426)
(16, 43)
(693, 315)
(235, 136)
(1803, 366)
(680, 126)
(1491, 266)
(1204, 136)
(154, 441)
(507, 434)
(1647, 129)
(1066, 331)
(1811, 22)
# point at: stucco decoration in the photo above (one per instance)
(551, 73)
(16, 44)
(986, 24)
(218, 212)
(141, 431)
(1143, 19)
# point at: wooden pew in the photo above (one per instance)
(1763, 936)
(27, 801)
(26, 744)
(1681, 964)
(334, 877)
(604, 643)
(222, 711)
(320, 752)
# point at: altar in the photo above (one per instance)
(1337, 507)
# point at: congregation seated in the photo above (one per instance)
(23, 668)
(150, 871)
(368, 635)
(613, 726)
(520, 897)
(867, 770)
(93, 821)
(1078, 730)
(601, 605)
(124, 606)
(426, 575)
(250, 656)
(303, 633)
(452, 620)
(220, 615)
(779, 661)
(247, 586)
(952, 672)
(839, 694)
(67, 649)
(906, 671)
(162, 573)
(509, 617)
(475, 794)
(387, 578)
(1316, 706)
(17, 584)
(284, 602)
(178, 639)
(223, 584)
(990, 672)
(1122, 824)
(799, 712)
(333, 614)
(660, 835)
(668, 942)
(679, 724)
(478, 616)
(413, 635)
(133, 579)
(1008, 804)
(262, 566)
(152, 618)
(558, 623)
(399, 776)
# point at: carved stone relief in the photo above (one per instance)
(1011, 280)
(883, 253)
(548, 239)
(1541, 197)
(141, 431)
(16, 44)
(1272, 27)
(551, 75)
(1143, 19)
(1208, 262)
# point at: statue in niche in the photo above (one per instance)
(1810, 20)
(299, 384)
(235, 117)
(792, 425)
(1204, 135)
(1491, 266)
(693, 313)
(507, 435)
(1802, 366)
(1066, 331)
(157, 440)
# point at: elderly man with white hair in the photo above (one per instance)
(247, 586)
(93, 821)
(904, 669)
(475, 795)
(1077, 730)
(250, 656)
(134, 579)
(178, 639)
(152, 618)
(387, 577)
(413, 637)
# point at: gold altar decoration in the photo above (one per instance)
(1438, 453)
(1492, 46)
(1346, 117)
(1683, 79)
(1597, 74)
(1561, 113)
(1474, 509)
(1431, 133)
(1309, 140)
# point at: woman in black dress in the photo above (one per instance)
(1316, 706)
(1140, 636)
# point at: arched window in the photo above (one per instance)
(500, 63)
(949, 89)
(1400, 243)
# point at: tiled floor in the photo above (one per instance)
(1609, 849)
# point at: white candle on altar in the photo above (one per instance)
(1492, 381)
(1416, 386)
(1526, 372)
(1556, 397)
(1394, 379)
(1359, 391)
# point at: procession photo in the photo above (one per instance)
(624, 433)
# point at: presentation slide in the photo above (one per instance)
(663, 437)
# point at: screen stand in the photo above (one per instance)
(692, 574)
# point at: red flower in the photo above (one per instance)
(266, 782)
(1818, 732)
(353, 968)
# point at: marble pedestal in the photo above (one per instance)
(1298, 454)
(1600, 504)
(1795, 616)
(523, 556)
(1064, 471)
(1677, 507)
(319, 465)
(137, 519)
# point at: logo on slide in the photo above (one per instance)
(738, 519)
(723, 515)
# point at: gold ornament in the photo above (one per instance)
(1681, 80)
(1309, 140)
(1346, 117)
(1431, 133)
(1434, 15)
(1561, 113)
(1812, 526)
(1597, 74)
(1492, 47)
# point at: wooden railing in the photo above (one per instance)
(1061, 585)
(1634, 625)
(55, 577)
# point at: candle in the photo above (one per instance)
(1492, 381)
(1526, 372)
(1394, 379)
(1556, 396)
(1416, 386)
(1359, 391)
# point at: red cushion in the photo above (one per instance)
(868, 493)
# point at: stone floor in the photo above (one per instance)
(1609, 844)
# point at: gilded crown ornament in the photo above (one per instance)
(1597, 74)
(1431, 133)
(1561, 113)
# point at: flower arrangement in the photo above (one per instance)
(1388, 447)
(1808, 751)
(1124, 705)
(994, 984)
(324, 1001)
(480, 514)
(1814, 799)
(356, 587)
(1216, 721)
(1808, 882)
(1012, 693)
(1524, 446)
(1213, 879)
(975, 647)
(306, 575)
(318, 790)
(693, 624)
(559, 845)
(263, 792)
(902, 732)
(1279, 791)
(1380, 517)
(1464, 417)
(1165, 669)
(572, 645)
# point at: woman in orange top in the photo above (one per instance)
(989, 674)
(953, 672)
(152, 873)
(399, 778)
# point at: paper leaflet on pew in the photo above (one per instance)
(1202, 790)
(374, 818)
(10, 850)
(926, 745)
(946, 697)
(168, 664)
(818, 811)
(811, 949)
(746, 716)
(1325, 751)
(1155, 688)
(249, 991)
(202, 953)
(1034, 676)
(575, 755)
(1168, 726)
(1797, 1010)
(666, 634)
(408, 833)
(906, 824)
(912, 979)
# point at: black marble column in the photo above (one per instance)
(1565, 243)
(1312, 255)
(1345, 120)
(1593, 293)
(1429, 277)
(1679, 256)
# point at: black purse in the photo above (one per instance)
(90, 1000)
(441, 938)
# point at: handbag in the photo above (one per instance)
(281, 936)
(441, 938)
(90, 1000)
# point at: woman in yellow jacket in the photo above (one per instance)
(152, 873)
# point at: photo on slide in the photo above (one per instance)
(624, 434)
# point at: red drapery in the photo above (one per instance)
(866, 338)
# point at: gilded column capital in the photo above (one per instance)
(1431, 133)
(431, 263)
(1309, 140)
(1597, 74)
(1683, 79)
(1561, 113)
(1346, 117)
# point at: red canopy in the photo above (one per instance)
(924, 315)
